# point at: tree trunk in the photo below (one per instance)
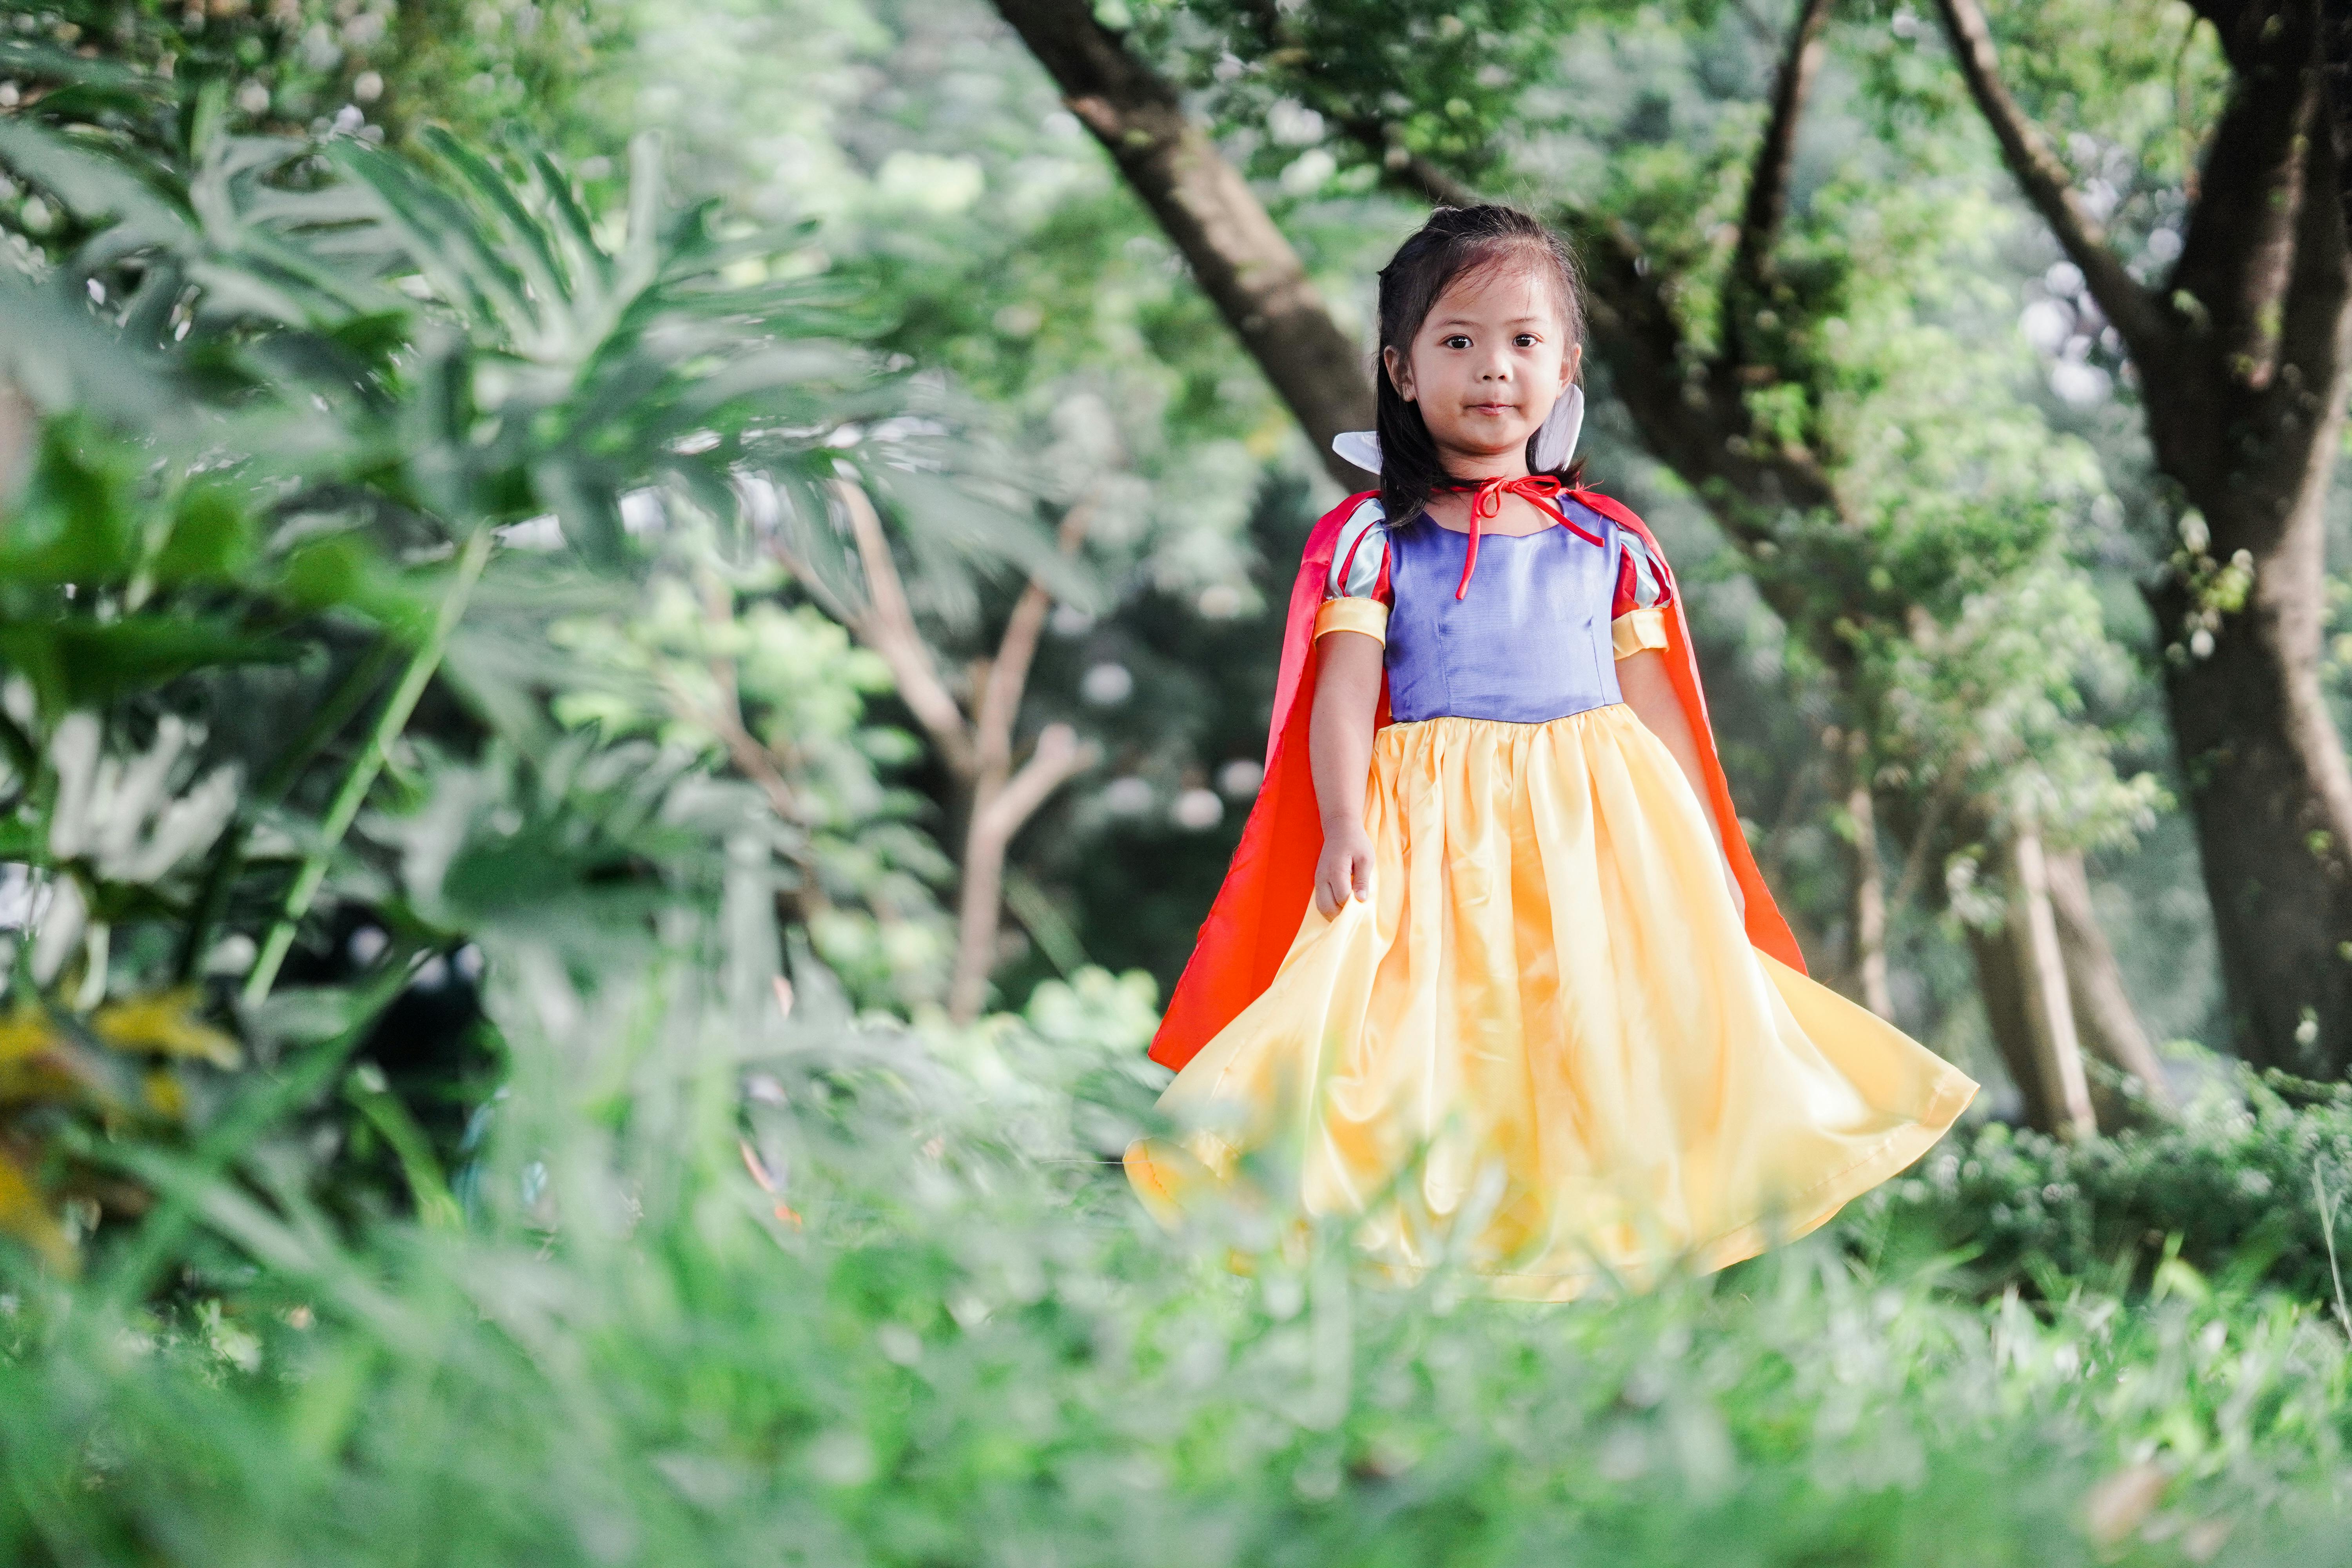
(2021, 977)
(2104, 1019)
(2242, 357)
(2001, 986)
(2049, 1001)
(1000, 803)
(997, 798)
(1241, 259)
(2250, 434)
(2335, 51)
(1868, 911)
(2271, 800)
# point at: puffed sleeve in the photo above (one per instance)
(1637, 614)
(1356, 596)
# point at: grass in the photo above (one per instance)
(950, 1339)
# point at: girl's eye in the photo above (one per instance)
(1527, 339)
(1456, 340)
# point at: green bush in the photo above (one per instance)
(2245, 1185)
(947, 1337)
(275, 436)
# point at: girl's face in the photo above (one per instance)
(1487, 365)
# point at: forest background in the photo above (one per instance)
(636, 635)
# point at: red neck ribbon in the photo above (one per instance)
(1487, 500)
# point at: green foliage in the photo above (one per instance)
(1448, 79)
(135, 1067)
(2244, 1189)
(711, 663)
(914, 1319)
(284, 400)
(297, 65)
(947, 186)
(2134, 84)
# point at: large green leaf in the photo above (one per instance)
(77, 520)
(212, 537)
(94, 185)
(85, 664)
(54, 353)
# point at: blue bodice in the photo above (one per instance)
(1530, 640)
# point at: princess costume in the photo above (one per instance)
(1547, 1046)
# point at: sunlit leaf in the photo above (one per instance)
(24, 1218)
(166, 1023)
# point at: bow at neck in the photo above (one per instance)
(1487, 500)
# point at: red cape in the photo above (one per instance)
(1258, 911)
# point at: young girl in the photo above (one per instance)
(1493, 969)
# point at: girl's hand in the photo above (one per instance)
(1344, 871)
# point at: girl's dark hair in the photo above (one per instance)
(1453, 241)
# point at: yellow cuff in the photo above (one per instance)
(1368, 617)
(1637, 629)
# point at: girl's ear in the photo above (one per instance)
(1570, 363)
(1400, 371)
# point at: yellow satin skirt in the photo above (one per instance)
(1543, 1048)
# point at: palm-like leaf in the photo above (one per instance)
(520, 361)
(289, 380)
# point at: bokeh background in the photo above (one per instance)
(632, 637)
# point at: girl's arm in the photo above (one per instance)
(1339, 754)
(1649, 691)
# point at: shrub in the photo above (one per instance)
(745, 1288)
(2245, 1185)
(280, 695)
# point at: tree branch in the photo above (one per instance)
(2104, 1019)
(1240, 258)
(2032, 934)
(753, 760)
(1867, 903)
(1008, 674)
(1775, 843)
(1408, 170)
(1058, 757)
(1923, 840)
(1768, 184)
(2145, 325)
(2238, 24)
(886, 626)
(18, 424)
(1698, 426)
(1761, 25)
